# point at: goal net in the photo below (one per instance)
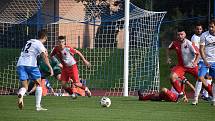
(95, 27)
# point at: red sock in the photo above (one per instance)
(147, 97)
(209, 89)
(177, 86)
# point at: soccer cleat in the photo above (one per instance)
(87, 91)
(180, 97)
(20, 102)
(195, 102)
(41, 109)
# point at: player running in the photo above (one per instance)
(187, 55)
(27, 68)
(65, 55)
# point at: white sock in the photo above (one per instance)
(213, 92)
(38, 95)
(198, 88)
(22, 91)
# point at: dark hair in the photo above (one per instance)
(212, 21)
(42, 33)
(198, 24)
(180, 29)
(61, 37)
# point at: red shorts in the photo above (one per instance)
(181, 70)
(70, 73)
(170, 96)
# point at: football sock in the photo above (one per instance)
(177, 86)
(198, 88)
(213, 91)
(22, 91)
(38, 95)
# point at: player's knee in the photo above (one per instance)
(201, 78)
(163, 89)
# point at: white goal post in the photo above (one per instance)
(94, 27)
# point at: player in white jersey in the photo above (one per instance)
(195, 39)
(27, 68)
(207, 51)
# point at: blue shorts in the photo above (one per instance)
(203, 69)
(28, 72)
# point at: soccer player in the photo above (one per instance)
(207, 51)
(195, 39)
(65, 54)
(187, 55)
(166, 94)
(27, 68)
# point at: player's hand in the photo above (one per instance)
(51, 72)
(207, 64)
(194, 63)
(87, 63)
(60, 65)
(168, 61)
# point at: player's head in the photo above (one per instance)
(181, 35)
(42, 35)
(198, 29)
(212, 26)
(61, 41)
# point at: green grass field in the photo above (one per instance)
(88, 109)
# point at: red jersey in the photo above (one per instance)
(66, 56)
(186, 52)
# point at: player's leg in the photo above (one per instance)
(64, 79)
(201, 74)
(36, 76)
(76, 81)
(153, 97)
(168, 95)
(205, 95)
(212, 74)
(23, 76)
(177, 72)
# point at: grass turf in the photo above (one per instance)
(88, 109)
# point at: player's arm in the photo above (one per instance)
(197, 54)
(190, 85)
(87, 63)
(46, 60)
(168, 53)
(202, 53)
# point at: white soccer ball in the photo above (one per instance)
(105, 102)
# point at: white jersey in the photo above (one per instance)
(188, 53)
(196, 40)
(208, 41)
(29, 53)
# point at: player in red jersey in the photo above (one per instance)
(187, 55)
(65, 54)
(166, 94)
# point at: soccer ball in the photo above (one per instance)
(105, 102)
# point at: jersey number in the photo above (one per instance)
(27, 47)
